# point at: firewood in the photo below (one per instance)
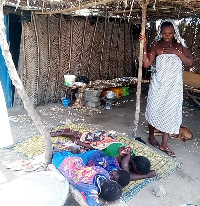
(78, 103)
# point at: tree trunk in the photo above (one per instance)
(138, 93)
(21, 90)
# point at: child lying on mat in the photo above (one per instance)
(97, 158)
(138, 166)
(92, 182)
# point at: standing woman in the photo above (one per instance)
(165, 96)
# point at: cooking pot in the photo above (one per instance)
(110, 95)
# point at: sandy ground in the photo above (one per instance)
(182, 187)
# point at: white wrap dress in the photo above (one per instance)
(165, 96)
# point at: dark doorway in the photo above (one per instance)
(15, 29)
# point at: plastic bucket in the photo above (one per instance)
(125, 91)
(69, 79)
(66, 102)
(117, 90)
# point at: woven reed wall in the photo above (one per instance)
(55, 45)
(191, 34)
(190, 31)
(52, 46)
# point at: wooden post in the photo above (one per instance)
(138, 93)
(21, 90)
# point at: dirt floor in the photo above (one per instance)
(182, 187)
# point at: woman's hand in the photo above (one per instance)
(125, 151)
(143, 37)
(171, 50)
(182, 52)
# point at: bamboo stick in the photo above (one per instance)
(82, 6)
(21, 90)
(78, 104)
(124, 46)
(132, 52)
(50, 60)
(24, 56)
(58, 75)
(110, 49)
(83, 46)
(138, 93)
(38, 47)
(60, 34)
(59, 58)
(117, 52)
(102, 48)
(71, 43)
(92, 44)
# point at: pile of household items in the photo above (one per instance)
(95, 91)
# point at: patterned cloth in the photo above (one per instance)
(98, 140)
(85, 179)
(59, 157)
(90, 158)
(85, 156)
(165, 96)
(98, 158)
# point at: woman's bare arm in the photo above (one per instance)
(185, 56)
(182, 52)
(86, 145)
(134, 176)
(148, 57)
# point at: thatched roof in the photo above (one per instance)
(127, 9)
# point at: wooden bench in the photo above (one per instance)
(191, 82)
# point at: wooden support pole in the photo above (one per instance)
(21, 90)
(78, 7)
(138, 93)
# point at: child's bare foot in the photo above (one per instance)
(60, 132)
(57, 133)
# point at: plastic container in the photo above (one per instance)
(69, 79)
(65, 102)
(110, 95)
(117, 90)
(125, 91)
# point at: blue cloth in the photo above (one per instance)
(86, 156)
(90, 158)
(98, 158)
(85, 179)
(4, 74)
(59, 157)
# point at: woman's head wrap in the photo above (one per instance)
(176, 34)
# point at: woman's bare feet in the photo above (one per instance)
(167, 151)
(153, 142)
